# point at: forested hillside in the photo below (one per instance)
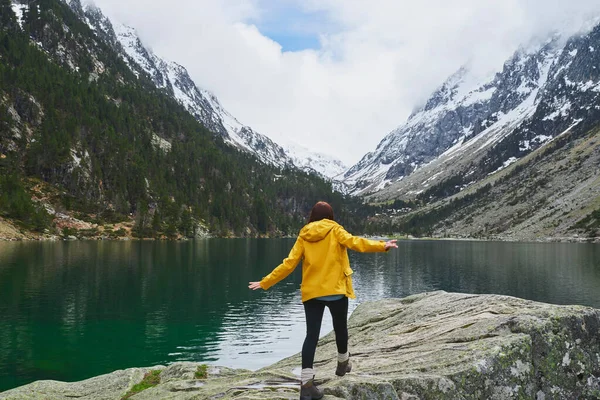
(82, 138)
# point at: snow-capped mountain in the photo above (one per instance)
(201, 103)
(457, 111)
(308, 160)
(470, 129)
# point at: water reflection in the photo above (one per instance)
(560, 273)
(74, 310)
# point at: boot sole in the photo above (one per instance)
(310, 398)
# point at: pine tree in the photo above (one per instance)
(8, 20)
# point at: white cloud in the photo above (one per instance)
(378, 59)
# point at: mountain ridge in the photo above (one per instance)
(453, 113)
(452, 148)
(90, 146)
(201, 103)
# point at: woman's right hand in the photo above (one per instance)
(254, 285)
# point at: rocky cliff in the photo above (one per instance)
(428, 346)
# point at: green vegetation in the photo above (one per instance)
(201, 372)
(422, 223)
(87, 126)
(66, 232)
(443, 189)
(16, 203)
(111, 233)
(590, 224)
(151, 379)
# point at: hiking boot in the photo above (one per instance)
(343, 367)
(309, 391)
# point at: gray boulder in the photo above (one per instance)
(103, 387)
(429, 346)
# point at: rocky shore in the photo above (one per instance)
(69, 228)
(428, 346)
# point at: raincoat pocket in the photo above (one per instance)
(349, 290)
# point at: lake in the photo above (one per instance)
(72, 310)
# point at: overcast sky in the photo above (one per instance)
(337, 75)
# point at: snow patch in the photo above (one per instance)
(506, 163)
(322, 163)
(478, 97)
(381, 185)
(575, 123)
(426, 182)
(542, 139)
(133, 47)
(19, 10)
(506, 123)
(76, 159)
(561, 112)
(584, 86)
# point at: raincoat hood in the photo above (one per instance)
(318, 230)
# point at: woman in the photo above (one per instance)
(326, 282)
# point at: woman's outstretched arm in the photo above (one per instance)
(363, 245)
(283, 270)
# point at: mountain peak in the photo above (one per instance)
(542, 90)
(309, 160)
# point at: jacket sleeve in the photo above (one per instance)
(357, 243)
(286, 267)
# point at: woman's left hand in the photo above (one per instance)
(391, 244)
(254, 285)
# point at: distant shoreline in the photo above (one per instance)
(546, 239)
(9, 232)
(508, 239)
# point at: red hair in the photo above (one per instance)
(321, 210)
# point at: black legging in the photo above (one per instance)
(314, 315)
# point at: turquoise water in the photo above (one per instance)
(72, 310)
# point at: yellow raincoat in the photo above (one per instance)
(322, 247)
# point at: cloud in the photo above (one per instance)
(377, 60)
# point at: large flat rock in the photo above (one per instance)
(428, 346)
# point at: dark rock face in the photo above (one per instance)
(97, 21)
(28, 109)
(539, 93)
